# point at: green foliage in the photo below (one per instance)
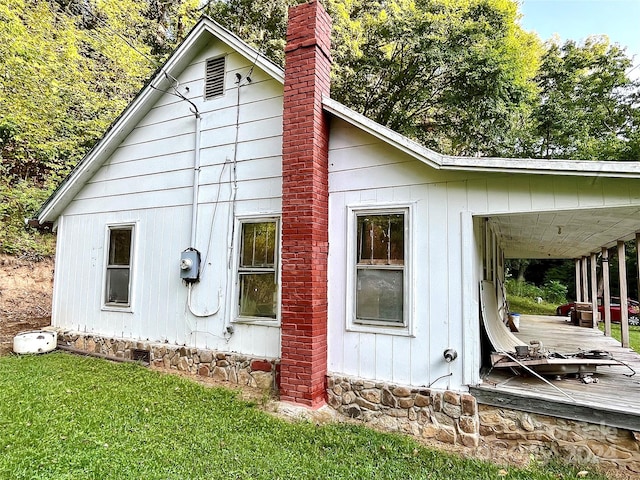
(522, 289)
(17, 202)
(554, 292)
(65, 417)
(588, 107)
(455, 75)
(528, 306)
(634, 334)
(262, 24)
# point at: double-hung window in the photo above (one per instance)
(257, 269)
(118, 269)
(380, 267)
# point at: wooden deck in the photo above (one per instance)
(614, 400)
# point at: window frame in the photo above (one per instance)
(240, 222)
(112, 306)
(380, 326)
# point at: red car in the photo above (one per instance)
(633, 307)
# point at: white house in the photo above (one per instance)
(237, 209)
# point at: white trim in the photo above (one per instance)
(239, 221)
(112, 307)
(351, 324)
(57, 269)
(470, 354)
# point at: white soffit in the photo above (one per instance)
(565, 233)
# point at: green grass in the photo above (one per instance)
(527, 306)
(634, 334)
(68, 417)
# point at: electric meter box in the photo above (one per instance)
(190, 265)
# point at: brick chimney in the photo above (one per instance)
(305, 197)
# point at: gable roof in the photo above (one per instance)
(161, 80)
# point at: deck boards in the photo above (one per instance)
(614, 399)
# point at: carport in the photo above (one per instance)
(583, 234)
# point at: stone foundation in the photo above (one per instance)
(446, 416)
(546, 437)
(235, 369)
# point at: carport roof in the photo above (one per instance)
(565, 233)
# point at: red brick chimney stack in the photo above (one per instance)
(305, 198)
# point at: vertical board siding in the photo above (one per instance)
(148, 181)
(448, 261)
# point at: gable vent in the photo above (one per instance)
(214, 78)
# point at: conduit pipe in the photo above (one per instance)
(196, 179)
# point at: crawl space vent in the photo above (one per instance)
(142, 356)
(214, 78)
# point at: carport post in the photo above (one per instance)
(578, 281)
(624, 312)
(594, 290)
(606, 292)
(585, 281)
(638, 261)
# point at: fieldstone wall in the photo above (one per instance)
(545, 437)
(236, 369)
(446, 416)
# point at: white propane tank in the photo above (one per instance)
(36, 341)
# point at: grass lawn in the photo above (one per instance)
(69, 417)
(527, 306)
(634, 334)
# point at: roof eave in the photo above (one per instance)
(584, 168)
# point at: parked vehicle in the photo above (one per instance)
(633, 308)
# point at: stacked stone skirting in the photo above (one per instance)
(547, 437)
(236, 369)
(446, 416)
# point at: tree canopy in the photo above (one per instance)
(459, 76)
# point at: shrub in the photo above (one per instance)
(554, 292)
(522, 289)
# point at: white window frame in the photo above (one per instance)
(120, 307)
(240, 221)
(386, 327)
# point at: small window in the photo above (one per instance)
(118, 285)
(257, 269)
(214, 78)
(380, 268)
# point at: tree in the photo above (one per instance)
(455, 75)
(63, 80)
(262, 24)
(588, 107)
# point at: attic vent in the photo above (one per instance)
(214, 78)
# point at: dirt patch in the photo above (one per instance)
(26, 290)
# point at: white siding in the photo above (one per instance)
(448, 261)
(148, 181)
